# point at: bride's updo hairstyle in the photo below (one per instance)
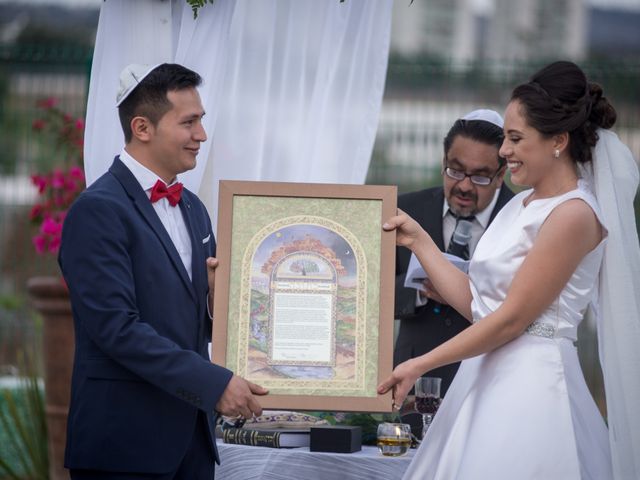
(559, 99)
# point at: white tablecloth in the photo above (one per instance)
(241, 462)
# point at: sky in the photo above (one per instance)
(480, 4)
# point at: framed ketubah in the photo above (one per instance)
(304, 292)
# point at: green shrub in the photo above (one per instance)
(23, 431)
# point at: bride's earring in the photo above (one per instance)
(556, 153)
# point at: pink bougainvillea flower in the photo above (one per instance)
(54, 244)
(40, 181)
(58, 188)
(58, 200)
(36, 212)
(57, 179)
(48, 102)
(40, 242)
(76, 172)
(38, 124)
(70, 185)
(51, 227)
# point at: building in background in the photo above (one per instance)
(450, 56)
(614, 33)
(526, 30)
(462, 31)
(448, 29)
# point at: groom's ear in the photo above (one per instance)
(141, 129)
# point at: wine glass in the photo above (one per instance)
(394, 439)
(427, 399)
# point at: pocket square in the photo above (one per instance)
(206, 239)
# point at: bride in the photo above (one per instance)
(519, 407)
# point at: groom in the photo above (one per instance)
(137, 254)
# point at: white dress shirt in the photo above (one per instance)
(171, 217)
(478, 226)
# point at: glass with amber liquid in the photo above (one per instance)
(394, 439)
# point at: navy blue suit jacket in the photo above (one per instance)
(141, 369)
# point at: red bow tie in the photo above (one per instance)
(172, 193)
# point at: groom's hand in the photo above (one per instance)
(238, 399)
(212, 264)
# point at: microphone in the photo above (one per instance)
(462, 233)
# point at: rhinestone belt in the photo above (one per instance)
(540, 329)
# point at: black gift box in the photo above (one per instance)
(336, 439)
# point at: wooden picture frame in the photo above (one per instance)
(303, 302)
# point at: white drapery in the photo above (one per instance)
(292, 88)
(152, 32)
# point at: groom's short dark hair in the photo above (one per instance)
(149, 98)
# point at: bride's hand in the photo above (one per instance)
(407, 229)
(402, 380)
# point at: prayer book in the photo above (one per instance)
(276, 438)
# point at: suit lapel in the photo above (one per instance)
(197, 266)
(144, 207)
(433, 216)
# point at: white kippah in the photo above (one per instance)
(490, 116)
(130, 77)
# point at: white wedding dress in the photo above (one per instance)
(522, 411)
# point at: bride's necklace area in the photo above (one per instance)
(564, 188)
